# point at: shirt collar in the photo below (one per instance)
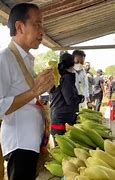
(23, 53)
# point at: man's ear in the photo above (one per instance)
(19, 27)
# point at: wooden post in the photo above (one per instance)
(1, 165)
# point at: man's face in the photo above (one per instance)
(79, 59)
(87, 66)
(32, 30)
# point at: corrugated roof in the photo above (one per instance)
(68, 22)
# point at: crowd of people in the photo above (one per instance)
(24, 123)
(78, 88)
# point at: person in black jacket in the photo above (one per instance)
(64, 99)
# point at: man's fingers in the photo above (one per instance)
(44, 82)
(46, 86)
(44, 76)
(45, 72)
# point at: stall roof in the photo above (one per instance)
(69, 22)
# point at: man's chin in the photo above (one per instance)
(36, 46)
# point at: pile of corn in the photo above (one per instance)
(84, 153)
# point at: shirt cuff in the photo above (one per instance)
(5, 104)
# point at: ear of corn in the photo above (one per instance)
(70, 167)
(109, 147)
(68, 126)
(93, 125)
(100, 129)
(84, 117)
(77, 162)
(83, 145)
(66, 147)
(77, 142)
(91, 111)
(57, 154)
(71, 175)
(96, 173)
(109, 172)
(69, 140)
(91, 116)
(95, 137)
(54, 66)
(81, 178)
(54, 168)
(81, 136)
(107, 158)
(74, 144)
(81, 171)
(81, 154)
(104, 133)
(92, 161)
(67, 165)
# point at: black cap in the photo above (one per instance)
(100, 71)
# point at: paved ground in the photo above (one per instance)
(45, 175)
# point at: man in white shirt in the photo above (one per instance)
(81, 77)
(90, 82)
(23, 125)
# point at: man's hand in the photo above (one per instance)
(44, 82)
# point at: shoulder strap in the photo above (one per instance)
(28, 77)
(30, 81)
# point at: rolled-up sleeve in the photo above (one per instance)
(5, 104)
(5, 83)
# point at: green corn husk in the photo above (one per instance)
(54, 168)
(57, 154)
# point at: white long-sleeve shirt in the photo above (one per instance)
(23, 128)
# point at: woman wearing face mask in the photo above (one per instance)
(81, 77)
(64, 99)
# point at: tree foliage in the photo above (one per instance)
(51, 56)
(110, 70)
(93, 70)
(41, 60)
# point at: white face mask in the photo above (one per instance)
(78, 67)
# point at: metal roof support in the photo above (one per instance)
(84, 47)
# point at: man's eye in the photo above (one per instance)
(39, 26)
